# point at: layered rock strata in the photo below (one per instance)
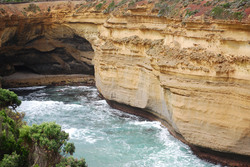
(195, 77)
(193, 74)
(43, 48)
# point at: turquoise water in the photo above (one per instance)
(105, 137)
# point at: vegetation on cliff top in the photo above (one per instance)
(36, 145)
(183, 9)
(214, 9)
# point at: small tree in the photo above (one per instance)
(10, 160)
(10, 141)
(48, 140)
(8, 98)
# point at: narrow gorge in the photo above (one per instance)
(189, 70)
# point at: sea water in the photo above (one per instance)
(105, 137)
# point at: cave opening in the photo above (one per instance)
(49, 56)
(21, 68)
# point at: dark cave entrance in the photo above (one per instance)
(70, 55)
(23, 69)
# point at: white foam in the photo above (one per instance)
(83, 135)
(45, 109)
(149, 124)
(28, 88)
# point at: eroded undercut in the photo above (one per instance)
(43, 49)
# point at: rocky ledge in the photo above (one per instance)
(24, 79)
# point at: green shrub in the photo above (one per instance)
(9, 132)
(208, 3)
(24, 135)
(99, 6)
(163, 9)
(238, 15)
(32, 8)
(220, 13)
(69, 148)
(8, 98)
(226, 5)
(217, 12)
(131, 3)
(2, 11)
(10, 160)
(122, 2)
(49, 136)
(190, 13)
(9, 138)
(70, 161)
(110, 8)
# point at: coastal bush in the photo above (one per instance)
(70, 161)
(110, 8)
(36, 145)
(238, 15)
(49, 136)
(32, 8)
(208, 3)
(226, 5)
(10, 124)
(9, 138)
(69, 148)
(190, 13)
(131, 3)
(122, 2)
(217, 12)
(8, 98)
(99, 6)
(163, 9)
(2, 11)
(10, 160)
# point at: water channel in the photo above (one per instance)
(105, 137)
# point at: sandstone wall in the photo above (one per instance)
(193, 74)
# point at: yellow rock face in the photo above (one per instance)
(195, 75)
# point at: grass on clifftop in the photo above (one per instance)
(180, 9)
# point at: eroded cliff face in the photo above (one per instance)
(195, 74)
(194, 77)
(43, 47)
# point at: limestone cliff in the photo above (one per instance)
(192, 72)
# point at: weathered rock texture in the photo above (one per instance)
(199, 84)
(43, 47)
(193, 73)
